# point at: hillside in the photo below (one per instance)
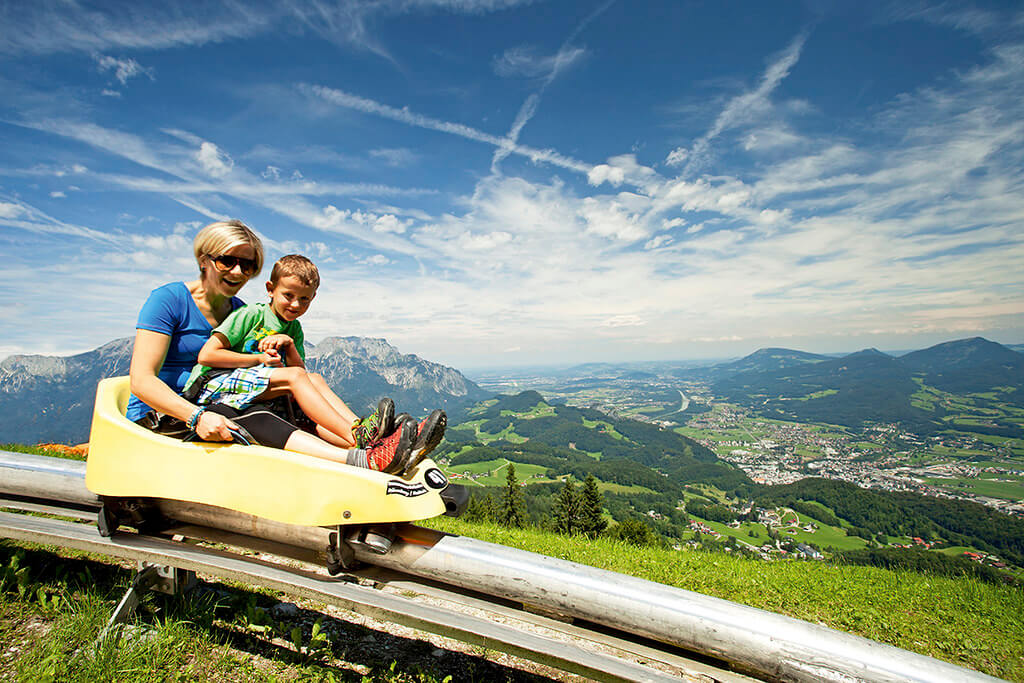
(673, 486)
(863, 387)
(955, 619)
(50, 398)
(870, 387)
(641, 467)
(767, 360)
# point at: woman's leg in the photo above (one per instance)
(297, 382)
(390, 456)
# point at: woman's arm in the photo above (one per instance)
(147, 359)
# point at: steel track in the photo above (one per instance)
(688, 631)
(493, 624)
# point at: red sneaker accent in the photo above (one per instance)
(392, 453)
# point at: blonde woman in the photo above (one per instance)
(175, 322)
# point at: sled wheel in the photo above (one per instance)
(106, 520)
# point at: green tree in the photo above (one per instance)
(513, 511)
(480, 509)
(592, 521)
(636, 532)
(567, 509)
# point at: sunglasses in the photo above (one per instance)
(225, 262)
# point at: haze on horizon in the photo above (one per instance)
(526, 182)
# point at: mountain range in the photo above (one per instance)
(50, 398)
(873, 387)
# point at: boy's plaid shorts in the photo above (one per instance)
(238, 388)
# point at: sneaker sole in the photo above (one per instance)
(386, 410)
(429, 437)
(403, 451)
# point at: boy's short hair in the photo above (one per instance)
(296, 266)
(217, 238)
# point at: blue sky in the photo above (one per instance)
(496, 182)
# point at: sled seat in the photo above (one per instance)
(128, 460)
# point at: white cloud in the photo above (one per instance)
(770, 138)
(213, 160)
(604, 173)
(658, 241)
(124, 69)
(404, 115)
(525, 61)
(395, 156)
(677, 156)
(57, 194)
(749, 105)
(332, 218)
(9, 210)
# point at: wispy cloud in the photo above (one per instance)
(404, 115)
(124, 69)
(742, 108)
(395, 156)
(49, 26)
(524, 61)
(22, 216)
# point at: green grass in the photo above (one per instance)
(539, 410)
(1006, 490)
(962, 620)
(607, 426)
(524, 472)
(818, 394)
(227, 632)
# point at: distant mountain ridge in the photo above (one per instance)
(871, 386)
(764, 360)
(50, 398)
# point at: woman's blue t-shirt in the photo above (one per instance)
(171, 310)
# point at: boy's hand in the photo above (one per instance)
(271, 358)
(277, 342)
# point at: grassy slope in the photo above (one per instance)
(963, 621)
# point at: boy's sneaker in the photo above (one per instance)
(429, 434)
(392, 453)
(375, 426)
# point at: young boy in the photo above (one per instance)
(260, 355)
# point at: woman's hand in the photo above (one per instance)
(214, 427)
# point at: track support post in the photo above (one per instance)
(148, 577)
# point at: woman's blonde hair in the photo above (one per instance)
(217, 238)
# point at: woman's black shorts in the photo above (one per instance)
(257, 419)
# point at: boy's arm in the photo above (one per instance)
(292, 358)
(286, 346)
(217, 353)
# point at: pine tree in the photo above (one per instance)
(480, 509)
(592, 522)
(567, 509)
(513, 511)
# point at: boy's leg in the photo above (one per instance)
(332, 398)
(297, 382)
(375, 426)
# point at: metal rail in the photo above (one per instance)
(360, 599)
(755, 641)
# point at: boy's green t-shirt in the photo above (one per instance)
(245, 327)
